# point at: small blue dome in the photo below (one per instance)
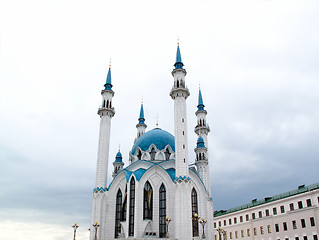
(200, 142)
(118, 157)
(160, 138)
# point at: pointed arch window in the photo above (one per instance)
(162, 211)
(139, 155)
(167, 154)
(118, 208)
(124, 205)
(177, 84)
(153, 154)
(107, 103)
(148, 201)
(194, 211)
(131, 209)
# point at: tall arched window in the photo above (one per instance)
(124, 204)
(153, 154)
(132, 205)
(167, 154)
(118, 207)
(148, 201)
(162, 211)
(194, 211)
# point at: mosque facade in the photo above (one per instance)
(159, 194)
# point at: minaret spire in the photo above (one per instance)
(108, 85)
(141, 126)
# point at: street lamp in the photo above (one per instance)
(75, 227)
(196, 218)
(222, 232)
(167, 220)
(203, 222)
(96, 226)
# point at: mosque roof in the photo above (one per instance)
(200, 142)
(118, 157)
(160, 138)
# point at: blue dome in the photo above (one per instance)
(160, 138)
(200, 142)
(118, 157)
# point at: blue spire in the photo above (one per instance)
(200, 106)
(118, 157)
(108, 85)
(141, 118)
(200, 142)
(178, 64)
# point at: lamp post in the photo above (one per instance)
(203, 222)
(196, 218)
(222, 232)
(167, 220)
(96, 226)
(75, 227)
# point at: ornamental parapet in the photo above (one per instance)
(202, 129)
(99, 189)
(107, 91)
(182, 179)
(179, 92)
(104, 111)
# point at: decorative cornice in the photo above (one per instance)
(100, 189)
(182, 179)
(103, 111)
(179, 92)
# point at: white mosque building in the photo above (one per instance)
(158, 195)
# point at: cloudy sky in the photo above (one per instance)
(257, 64)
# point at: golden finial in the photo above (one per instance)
(142, 100)
(157, 121)
(199, 85)
(110, 62)
(119, 147)
(177, 41)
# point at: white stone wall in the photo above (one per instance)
(287, 217)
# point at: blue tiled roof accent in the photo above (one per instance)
(127, 175)
(200, 105)
(171, 173)
(108, 84)
(99, 189)
(200, 142)
(141, 118)
(139, 173)
(160, 138)
(178, 64)
(118, 157)
(182, 178)
(301, 189)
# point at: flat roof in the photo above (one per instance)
(255, 202)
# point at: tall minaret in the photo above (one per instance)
(183, 211)
(141, 126)
(106, 112)
(179, 93)
(201, 162)
(202, 130)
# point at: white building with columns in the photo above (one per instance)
(158, 184)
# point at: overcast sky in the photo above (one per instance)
(257, 64)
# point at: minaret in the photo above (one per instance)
(106, 112)
(183, 211)
(202, 161)
(202, 130)
(179, 93)
(141, 126)
(118, 163)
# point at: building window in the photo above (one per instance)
(214, 224)
(215, 237)
(118, 214)
(148, 201)
(219, 223)
(261, 230)
(282, 209)
(195, 211)
(253, 216)
(291, 205)
(285, 226)
(131, 210)
(294, 224)
(236, 234)
(248, 232)
(312, 222)
(309, 203)
(305, 238)
(139, 155)
(247, 217)
(235, 220)
(153, 152)
(277, 227)
(260, 214)
(167, 154)
(315, 237)
(267, 212)
(182, 119)
(162, 212)
(300, 205)
(296, 238)
(274, 211)
(224, 222)
(231, 235)
(303, 223)
(229, 220)
(255, 231)
(242, 233)
(241, 218)
(123, 211)
(268, 229)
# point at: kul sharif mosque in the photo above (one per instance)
(158, 195)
